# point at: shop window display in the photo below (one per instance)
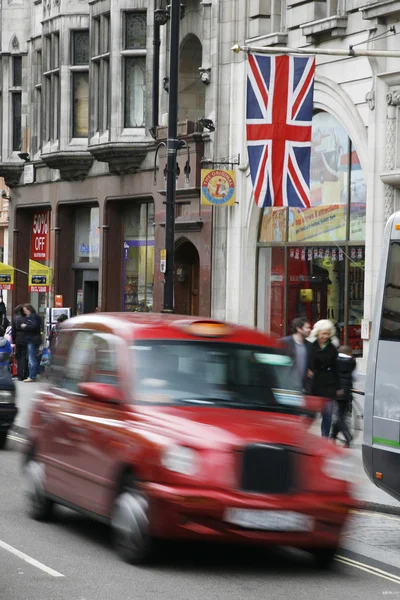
(138, 262)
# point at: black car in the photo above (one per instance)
(8, 408)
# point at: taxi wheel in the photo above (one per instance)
(130, 525)
(3, 439)
(40, 507)
(324, 557)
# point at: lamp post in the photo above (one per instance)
(172, 149)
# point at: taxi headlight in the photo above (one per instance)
(341, 468)
(180, 459)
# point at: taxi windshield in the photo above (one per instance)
(215, 374)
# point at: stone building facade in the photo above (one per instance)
(321, 262)
(78, 148)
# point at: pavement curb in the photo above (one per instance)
(378, 507)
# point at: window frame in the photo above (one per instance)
(51, 84)
(100, 73)
(75, 71)
(133, 53)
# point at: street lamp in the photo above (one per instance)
(175, 12)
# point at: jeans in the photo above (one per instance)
(32, 360)
(20, 357)
(340, 425)
(326, 420)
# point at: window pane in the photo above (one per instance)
(273, 225)
(138, 258)
(316, 277)
(135, 30)
(80, 104)
(38, 67)
(55, 106)
(105, 368)
(17, 71)
(105, 96)
(135, 92)
(390, 326)
(326, 219)
(271, 290)
(55, 51)
(16, 109)
(356, 298)
(358, 199)
(105, 36)
(81, 48)
(96, 37)
(87, 235)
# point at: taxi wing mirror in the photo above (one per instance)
(314, 404)
(102, 392)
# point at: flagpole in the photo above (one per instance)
(351, 52)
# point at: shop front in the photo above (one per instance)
(311, 261)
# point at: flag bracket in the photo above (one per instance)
(228, 162)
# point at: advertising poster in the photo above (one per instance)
(6, 277)
(40, 235)
(217, 187)
(39, 277)
(273, 225)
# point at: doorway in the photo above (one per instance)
(186, 278)
(90, 296)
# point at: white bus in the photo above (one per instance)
(381, 443)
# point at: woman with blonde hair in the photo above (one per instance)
(323, 374)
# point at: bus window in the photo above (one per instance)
(390, 324)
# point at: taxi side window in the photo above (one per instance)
(104, 368)
(58, 360)
(79, 361)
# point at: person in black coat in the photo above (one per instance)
(323, 371)
(346, 366)
(19, 341)
(32, 329)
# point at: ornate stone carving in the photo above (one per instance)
(390, 162)
(122, 157)
(15, 43)
(205, 75)
(370, 99)
(11, 173)
(73, 165)
(393, 98)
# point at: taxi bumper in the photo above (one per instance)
(188, 513)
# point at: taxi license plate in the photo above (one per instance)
(269, 520)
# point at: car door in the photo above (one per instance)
(69, 425)
(104, 443)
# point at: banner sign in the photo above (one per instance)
(40, 235)
(217, 187)
(39, 278)
(6, 277)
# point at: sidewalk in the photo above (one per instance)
(370, 497)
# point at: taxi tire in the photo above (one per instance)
(324, 557)
(3, 439)
(40, 507)
(130, 526)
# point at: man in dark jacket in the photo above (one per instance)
(298, 348)
(31, 328)
(19, 341)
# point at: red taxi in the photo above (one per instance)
(171, 427)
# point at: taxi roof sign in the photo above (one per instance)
(208, 328)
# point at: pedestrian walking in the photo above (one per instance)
(19, 342)
(298, 348)
(346, 366)
(31, 328)
(323, 371)
(4, 322)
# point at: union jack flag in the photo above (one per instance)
(280, 93)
